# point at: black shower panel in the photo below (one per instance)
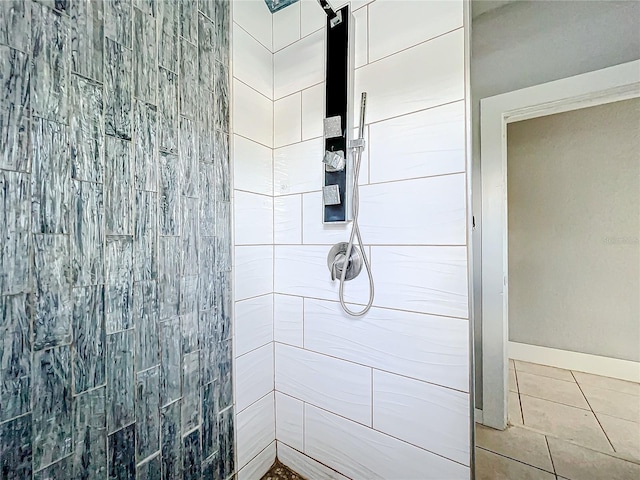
(339, 88)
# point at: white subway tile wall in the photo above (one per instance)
(288, 317)
(259, 464)
(256, 428)
(286, 27)
(290, 420)
(254, 374)
(256, 211)
(252, 113)
(434, 418)
(389, 29)
(253, 62)
(287, 219)
(336, 385)
(252, 166)
(362, 452)
(253, 323)
(256, 19)
(300, 65)
(312, 17)
(253, 270)
(312, 111)
(386, 395)
(252, 154)
(287, 120)
(424, 76)
(297, 168)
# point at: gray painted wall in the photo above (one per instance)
(115, 248)
(532, 42)
(574, 230)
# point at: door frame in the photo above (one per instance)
(608, 85)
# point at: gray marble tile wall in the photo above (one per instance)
(115, 256)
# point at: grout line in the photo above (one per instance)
(372, 423)
(273, 213)
(245, 31)
(367, 13)
(253, 193)
(368, 154)
(342, 475)
(300, 20)
(379, 431)
(252, 140)
(303, 325)
(271, 15)
(252, 350)
(299, 142)
(375, 245)
(254, 457)
(393, 309)
(249, 86)
(593, 412)
(297, 347)
(301, 117)
(553, 401)
(546, 440)
(413, 112)
(515, 460)
(512, 457)
(270, 392)
(298, 40)
(461, 27)
(301, 219)
(246, 298)
(275, 410)
(519, 398)
(363, 185)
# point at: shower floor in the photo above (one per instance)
(279, 472)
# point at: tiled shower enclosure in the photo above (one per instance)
(115, 241)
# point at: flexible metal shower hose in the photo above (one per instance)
(355, 228)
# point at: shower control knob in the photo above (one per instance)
(337, 258)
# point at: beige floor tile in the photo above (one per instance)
(623, 434)
(512, 364)
(490, 466)
(577, 463)
(563, 421)
(517, 443)
(615, 404)
(513, 385)
(551, 389)
(622, 386)
(544, 370)
(514, 411)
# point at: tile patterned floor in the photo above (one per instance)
(564, 425)
(279, 472)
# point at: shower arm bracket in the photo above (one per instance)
(357, 143)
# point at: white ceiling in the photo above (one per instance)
(478, 7)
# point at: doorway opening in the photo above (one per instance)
(561, 265)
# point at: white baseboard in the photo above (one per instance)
(582, 362)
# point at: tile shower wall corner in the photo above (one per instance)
(115, 298)
(253, 210)
(410, 353)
